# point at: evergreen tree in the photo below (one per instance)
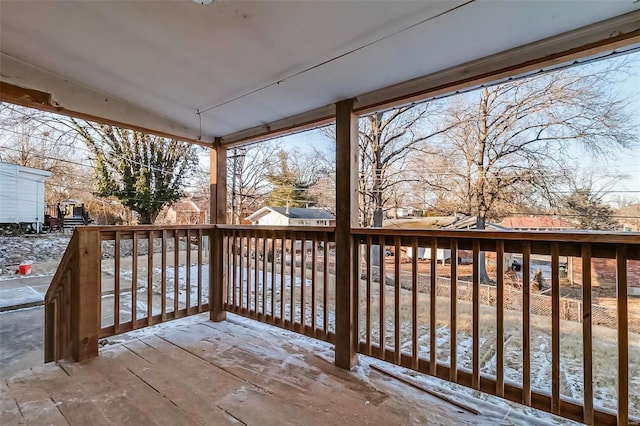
(290, 182)
(144, 172)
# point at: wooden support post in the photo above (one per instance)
(218, 214)
(346, 218)
(85, 296)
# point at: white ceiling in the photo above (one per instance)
(174, 58)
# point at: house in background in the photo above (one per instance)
(22, 204)
(292, 216)
(535, 223)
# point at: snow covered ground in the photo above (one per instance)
(45, 250)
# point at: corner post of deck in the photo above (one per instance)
(218, 200)
(346, 219)
(85, 295)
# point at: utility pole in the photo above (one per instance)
(233, 185)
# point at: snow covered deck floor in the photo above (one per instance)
(193, 371)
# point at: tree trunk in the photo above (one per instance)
(482, 260)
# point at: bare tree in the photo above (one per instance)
(389, 144)
(584, 203)
(517, 137)
(38, 139)
(248, 186)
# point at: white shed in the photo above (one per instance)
(22, 194)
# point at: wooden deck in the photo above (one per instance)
(193, 371)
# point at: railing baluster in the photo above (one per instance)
(240, 304)
(555, 328)
(382, 280)
(150, 278)
(256, 278)
(453, 332)
(283, 245)
(396, 299)
(369, 255)
(264, 276)
(587, 341)
(500, 318)
(303, 283)
(433, 358)
(200, 235)
(134, 279)
(414, 304)
(234, 278)
(188, 271)
(116, 285)
(314, 276)
(164, 276)
(475, 351)
(623, 335)
(526, 323)
(292, 281)
(325, 284)
(273, 277)
(231, 264)
(176, 272)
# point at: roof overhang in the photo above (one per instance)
(243, 71)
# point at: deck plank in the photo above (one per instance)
(111, 399)
(36, 405)
(75, 405)
(9, 411)
(116, 364)
(195, 394)
(232, 372)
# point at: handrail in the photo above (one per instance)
(57, 307)
(545, 236)
(286, 276)
(56, 281)
(401, 303)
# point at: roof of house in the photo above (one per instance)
(535, 222)
(293, 213)
(438, 222)
(24, 169)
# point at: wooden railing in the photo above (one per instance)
(404, 320)
(282, 276)
(166, 276)
(58, 342)
(116, 279)
(421, 317)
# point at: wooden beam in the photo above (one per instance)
(21, 96)
(346, 218)
(218, 215)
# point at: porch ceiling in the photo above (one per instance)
(246, 63)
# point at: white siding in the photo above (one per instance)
(21, 194)
(8, 193)
(273, 219)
